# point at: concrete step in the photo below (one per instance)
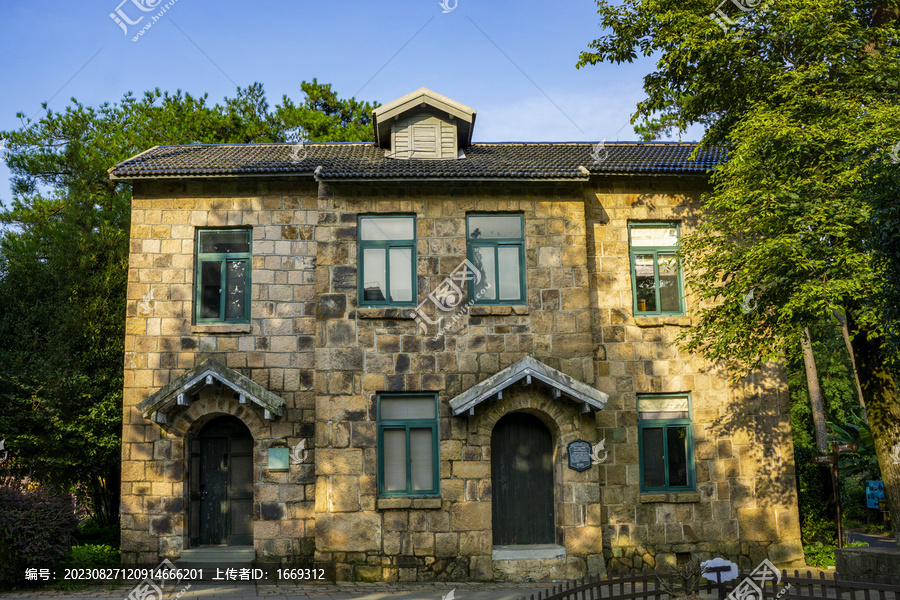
(209, 558)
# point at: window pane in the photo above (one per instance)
(676, 447)
(669, 294)
(235, 277)
(654, 467)
(483, 259)
(220, 242)
(495, 226)
(663, 407)
(654, 236)
(394, 459)
(421, 459)
(374, 275)
(383, 228)
(644, 282)
(407, 407)
(210, 289)
(509, 273)
(401, 274)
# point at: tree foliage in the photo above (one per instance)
(64, 260)
(804, 95)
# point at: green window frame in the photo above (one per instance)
(390, 258)
(665, 443)
(661, 293)
(222, 276)
(408, 445)
(490, 252)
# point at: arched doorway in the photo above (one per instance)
(522, 481)
(221, 484)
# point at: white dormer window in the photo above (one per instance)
(424, 126)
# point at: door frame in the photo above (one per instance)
(555, 471)
(194, 449)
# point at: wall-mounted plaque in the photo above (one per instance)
(579, 455)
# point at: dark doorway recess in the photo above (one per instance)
(522, 481)
(221, 484)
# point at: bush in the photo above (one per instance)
(92, 533)
(822, 555)
(93, 556)
(36, 530)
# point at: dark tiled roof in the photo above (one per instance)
(358, 160)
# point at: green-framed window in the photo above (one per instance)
(222, 279)
(655, 271)
(665, 442)
(408, 445)
(495, 244)
(387, 260)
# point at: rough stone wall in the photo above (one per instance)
(745, 506)
(362, 351)
(276, 350)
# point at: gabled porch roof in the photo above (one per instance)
(528, 368)
(181, 391)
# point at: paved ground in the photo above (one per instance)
(876, 541)
(359, 591)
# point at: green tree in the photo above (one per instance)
(804, 94)
(64, 261)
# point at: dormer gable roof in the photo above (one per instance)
(423, 98)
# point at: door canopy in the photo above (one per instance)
(530, 370)
(184, 390)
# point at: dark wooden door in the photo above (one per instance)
(522, 481)
(221, 485)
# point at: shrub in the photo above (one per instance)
(36, 529)
(92, 556)
(92, 533)
(822, 555)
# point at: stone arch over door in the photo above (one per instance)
(523, 507)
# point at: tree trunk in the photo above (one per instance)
(883, 408)
(815, 392)
(845, 331)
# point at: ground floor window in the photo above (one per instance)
(666, 442)
(407, 445)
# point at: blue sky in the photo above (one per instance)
(514, 62)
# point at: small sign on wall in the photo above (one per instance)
(579, 455)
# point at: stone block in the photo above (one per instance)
(757, 524)
(339, 461)
(348, 532)
(471, 516)
(471, 469)
(343, 493)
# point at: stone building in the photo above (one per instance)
(377, 357)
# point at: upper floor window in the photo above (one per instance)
(496, 246)
(655, 271)
(223, 276)
(407, 445)
(666, 442)
(387, 261)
